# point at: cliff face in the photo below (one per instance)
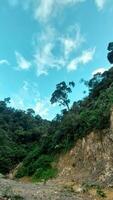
(91, 159)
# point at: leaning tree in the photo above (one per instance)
(60, 95)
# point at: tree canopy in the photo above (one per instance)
(60, 95)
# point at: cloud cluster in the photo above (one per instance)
(47, 8)
(43, 10)
(23, 100)
(53, 49)
(50, 42)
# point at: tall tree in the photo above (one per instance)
(60, 95)
(110, 54)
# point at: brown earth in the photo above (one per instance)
(91, 159)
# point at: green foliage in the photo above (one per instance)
(100, 192)
(35, 142)
(20, 132)
(92, 113)
(110, 54)
(21, 172)
(60, 95)
(38, 166)
(43, 174)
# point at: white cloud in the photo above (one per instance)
(41, 108)
(53, 49)
(47, 8)
(43, 9)
(85, 58)
(45, 60)
(17, 102)
(70, 1)
(73, 40)
(22, 100)
(44, 56)
(69, 45)
(99, 70)
(100, 3)
(45, 109)
(4, 62)
(22, 63)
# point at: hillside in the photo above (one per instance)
(75, 147)
(85, 173)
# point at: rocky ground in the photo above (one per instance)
(41, 191)
(52, 190)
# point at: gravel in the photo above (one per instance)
(40, 191)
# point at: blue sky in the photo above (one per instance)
(44, 42)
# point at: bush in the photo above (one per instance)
(44, 174)
(100, 192)
(35, 166)
(22, 171)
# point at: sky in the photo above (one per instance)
(44, 42)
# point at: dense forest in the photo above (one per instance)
(35, 143)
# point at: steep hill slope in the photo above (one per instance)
(90, 160)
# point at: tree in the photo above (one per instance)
(110, 54)
(60, 95)
(7, 100)
(30, 111)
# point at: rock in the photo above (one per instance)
(2, 176)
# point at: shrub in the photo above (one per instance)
(44, 174)
(100, 192)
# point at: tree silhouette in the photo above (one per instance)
(60, 95)
(110, 54)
